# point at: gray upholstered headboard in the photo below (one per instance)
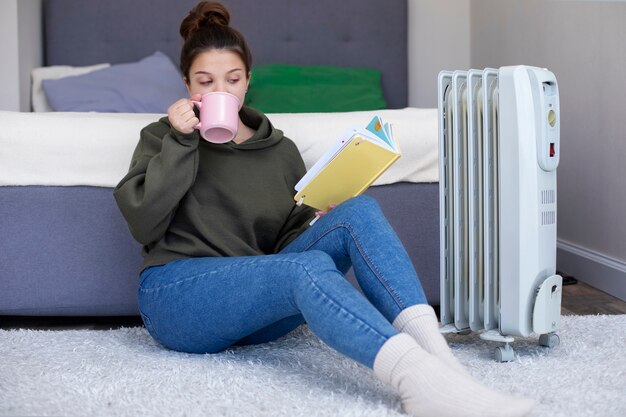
(352, 33)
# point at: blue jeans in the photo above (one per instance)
(204, 305)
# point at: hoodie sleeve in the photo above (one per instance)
(163, 168)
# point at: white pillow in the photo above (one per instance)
(38, 99)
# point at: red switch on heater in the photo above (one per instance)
(552, 151)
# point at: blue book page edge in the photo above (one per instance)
(376, 126)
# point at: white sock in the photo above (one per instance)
(420, 321)
(428, 387)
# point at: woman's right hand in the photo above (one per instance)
(182, 116)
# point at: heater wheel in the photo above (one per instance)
(504, 353)
(549, 340)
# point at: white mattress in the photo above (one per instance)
(94, 149)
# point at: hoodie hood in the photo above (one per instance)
(266, 135)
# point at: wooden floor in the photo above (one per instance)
(582, 299)
(578, 299)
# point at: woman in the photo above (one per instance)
(229, 259)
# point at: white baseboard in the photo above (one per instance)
(598, 270)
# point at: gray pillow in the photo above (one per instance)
(150, 85)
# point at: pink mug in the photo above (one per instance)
(219, 116)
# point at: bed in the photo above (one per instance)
(65, 250)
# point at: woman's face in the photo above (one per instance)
(218, 70)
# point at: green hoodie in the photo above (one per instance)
(185, 197)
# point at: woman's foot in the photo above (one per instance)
(420, 322)
(429, 387)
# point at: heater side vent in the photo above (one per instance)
(548, 197)
(548, 217)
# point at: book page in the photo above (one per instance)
(375, 139)
(324, 160)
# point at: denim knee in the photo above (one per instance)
(363, 201)
(318, 266)
(315, 261)
(360, 208)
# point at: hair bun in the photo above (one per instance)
(204, 14)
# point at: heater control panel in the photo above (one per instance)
(549, 120)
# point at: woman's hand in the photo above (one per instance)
(182, 116)
(321, 213)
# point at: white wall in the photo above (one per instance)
(439, 38)
(20, 49)
(30, 35)
(9, 70)
(584, 44)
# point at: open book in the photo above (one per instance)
(350, 166)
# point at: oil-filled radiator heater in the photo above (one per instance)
(498, 154)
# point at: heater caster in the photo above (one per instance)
(549, 340)
(504, 353)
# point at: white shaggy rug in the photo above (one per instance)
(125, 373)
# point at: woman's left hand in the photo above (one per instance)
(321, 213)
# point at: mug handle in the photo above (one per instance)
(199, 104)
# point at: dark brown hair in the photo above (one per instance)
(207, 27)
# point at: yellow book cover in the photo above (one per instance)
(350, 167)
